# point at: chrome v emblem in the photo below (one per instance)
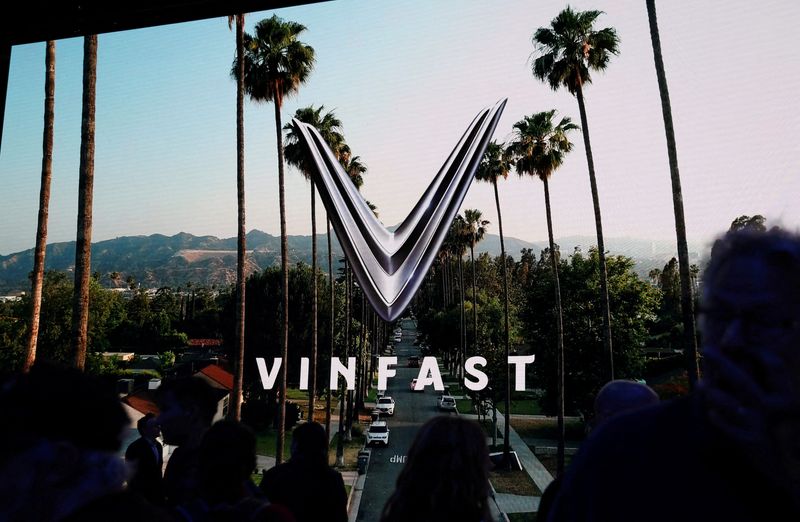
(390, 266)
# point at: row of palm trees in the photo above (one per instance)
(272, 64)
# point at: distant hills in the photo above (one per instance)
(158, 260)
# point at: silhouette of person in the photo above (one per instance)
(614, 398)
(307, 470)
(58, 457)
(622, 396)
(731, 449)
(188, 406)
(446, 475)
(226, 461)
(145, 455)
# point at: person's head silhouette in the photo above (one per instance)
(58, 452)
(310, 443)
(188, 406)
(620, 396)
(446, 474)
(750, 325)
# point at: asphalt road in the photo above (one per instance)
(412, 409)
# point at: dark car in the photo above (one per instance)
(413, 362)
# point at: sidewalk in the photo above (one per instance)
(506, 502)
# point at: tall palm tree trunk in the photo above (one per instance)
(687, 301)
(83, 243)
(241, 244)
(332, 290)
(599, 225)
(44, 202)
(474, 295)
(312, 389)
(343, 392)
(348, 434)
(280, 441)
(361, 365)
(560, 329)
(462, 355)
(506, 339)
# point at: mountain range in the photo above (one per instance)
(158, 260)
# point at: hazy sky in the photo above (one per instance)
(406, 78)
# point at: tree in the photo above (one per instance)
(635, 303)
(687, 300)
(329, 128)
(755, 223)
(276, 63)
(44, 203)
(235, 412)
(567, 51)
(83, 243)
(539, 148)
(497, 163)
(477, 227)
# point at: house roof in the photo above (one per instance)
(217, 377)
(142, 401)
(204, 342)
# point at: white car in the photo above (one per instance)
(447, 403)
(385, 405)
(378, 433)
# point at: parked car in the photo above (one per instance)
(385, 405)
(398, 338)
(413, 386)
(447, 403)
(413, 361)
(378, 433)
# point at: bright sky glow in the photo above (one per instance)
(405, 78)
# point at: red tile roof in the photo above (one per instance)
(217, 376)
(204, 342)
(142, 401)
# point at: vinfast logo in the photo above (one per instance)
(390, 266)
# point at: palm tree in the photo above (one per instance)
(567, 51)
(496, 164)
(276, 63)
(83, 243)
(687, 301)
(44, 202)
(539, 148)
(458, 238)
(477, 229)
(329, 127)
(355, 170)
(241, 255)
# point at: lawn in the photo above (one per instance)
(351, 450)
(547, 428)
(550, 462)
(521, 407)
(265, 443)
(300, 397)
(516, 482)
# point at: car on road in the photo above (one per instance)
(385, 405)
(447, 403)
(413, 361)
(378, 433)
(413, 386)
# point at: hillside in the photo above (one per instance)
(158, 260)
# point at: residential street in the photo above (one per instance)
(412, 409)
